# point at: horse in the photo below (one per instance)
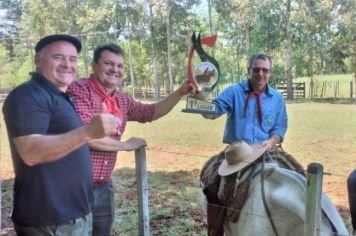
(267, 197)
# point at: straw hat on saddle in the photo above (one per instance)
(239, 155)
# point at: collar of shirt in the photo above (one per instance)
(40, 79)
(246, 88)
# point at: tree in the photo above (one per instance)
(304, 37)
(9, 22)
(154, 57)
(167, 14)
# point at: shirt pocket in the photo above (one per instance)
(268, 120)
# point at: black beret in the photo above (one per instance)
(58, 37)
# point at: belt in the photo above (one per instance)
(98, 183)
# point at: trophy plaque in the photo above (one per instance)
(204, 77)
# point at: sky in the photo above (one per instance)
(202, 8)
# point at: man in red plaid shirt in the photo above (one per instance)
(89, 95)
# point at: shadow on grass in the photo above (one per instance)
(175, 203)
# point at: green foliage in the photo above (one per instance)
(322, 34)
(270, 29)
(16, 73)
(278, 74)
(3, 53)
(161, 213)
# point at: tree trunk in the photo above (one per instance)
(247, 37)
(85, 56)
(154, 59)
(29, 45)
(210, 24)
(289, 53)
(156, 80)
(354, 44)
(170, 74)
(132, 76)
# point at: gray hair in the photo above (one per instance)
(259, 56)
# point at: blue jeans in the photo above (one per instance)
(351, 187)
(104, 209)
(78, 227)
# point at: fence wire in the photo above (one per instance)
(242, 212)
(225, 207)
(250, 163)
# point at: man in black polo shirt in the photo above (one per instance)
(53, 168)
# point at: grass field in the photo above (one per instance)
(179, 144)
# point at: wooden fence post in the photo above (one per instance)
(142, 191)
(351, 89)
(323, 89)
(313, 200)
(312, 89)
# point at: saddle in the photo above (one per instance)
(226, 195)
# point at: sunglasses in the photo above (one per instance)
(257, 70)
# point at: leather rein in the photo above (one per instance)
(264, 195)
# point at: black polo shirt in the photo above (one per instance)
(55, 192)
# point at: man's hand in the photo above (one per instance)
(208, 116)
(164, 106)
(133, 144)
(101, 125)
(275, 139)
(267, 143)
(187, 88)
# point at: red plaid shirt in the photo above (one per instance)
(88, 103)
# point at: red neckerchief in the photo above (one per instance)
(108, 100)
(251, 94)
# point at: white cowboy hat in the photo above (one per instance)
(239, 155)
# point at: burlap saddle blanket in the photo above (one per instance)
(230, 191)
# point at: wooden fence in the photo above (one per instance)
(320, 89)
(3, 94)
(2, 97)
(313, 90)
(140, 93)
(298, 89)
